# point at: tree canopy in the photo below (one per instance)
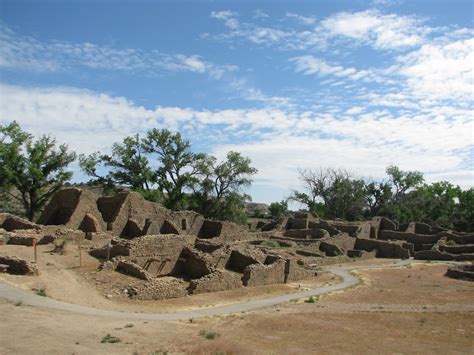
(36, 168)
(403, 197)
(163, 168)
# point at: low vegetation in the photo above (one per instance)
(42, 293)
(110, 339)
(209, 334)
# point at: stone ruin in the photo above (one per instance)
(463, 272)
(174, 254)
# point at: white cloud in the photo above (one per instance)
(379, 30)
(28, 53)
(279, 141)
(311, 65)
(370, 27)
(305, 20)
(440, 71)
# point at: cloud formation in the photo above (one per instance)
(29, 53)
(278, 141)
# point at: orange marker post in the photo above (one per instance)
(35, 250)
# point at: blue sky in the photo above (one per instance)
(357, 85)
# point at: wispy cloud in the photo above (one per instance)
(305, 20)
(311, 65)
(28, 53)
(279, 141)
(371, 27)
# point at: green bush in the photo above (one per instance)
(110, 339)
(42, 293)
(271, 243)
(209, 334)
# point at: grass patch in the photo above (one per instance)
(129, 325)
(110, 339)
(450, 242)
(209, 334)
(271, 243)
(311, 299)
(42, 293)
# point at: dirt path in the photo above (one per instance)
(15, 294)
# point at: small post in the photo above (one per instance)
(80, 253)
(35, 251)
(108, 250)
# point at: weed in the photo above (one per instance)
(42, 292)
(110, 339)
(450, 242)
(271, 243)
(59, 246)
(209, 334)
(310, 300)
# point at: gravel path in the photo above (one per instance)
(15, 294)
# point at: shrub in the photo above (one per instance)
(271, 243)
(311, 299)
(209, 334)
(42, 292)
(110, 339)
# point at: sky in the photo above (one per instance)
(293, 85)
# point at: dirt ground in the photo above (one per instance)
(413, 309)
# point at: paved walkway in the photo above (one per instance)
(15, 294)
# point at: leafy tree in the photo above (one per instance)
(221, 184)
(127, 165)
(403, 180)
(279, 209)
(464, 216)
(378, 195)
(35, 168)
(332, 193)
(178, 166)
(163, 168)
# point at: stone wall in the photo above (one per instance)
(160, 289)
(385, 249)
(219, 280)
(70, 206)
(17, 266)
(258, 274)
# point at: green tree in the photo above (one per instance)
(221, 185)
(464, 216)
(332, 193)
(279, 209)
(378, 195)
(127, 165)
(403, 181)
(178, 166)
(35, 168)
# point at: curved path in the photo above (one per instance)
(15, 294)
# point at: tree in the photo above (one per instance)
(403, 180)
(221, 184)
(378, 195)
(279, 209)
(127, 165)
(332, 193)
(163, 168)
(178, 166)
(35, 168)
(464, 215)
